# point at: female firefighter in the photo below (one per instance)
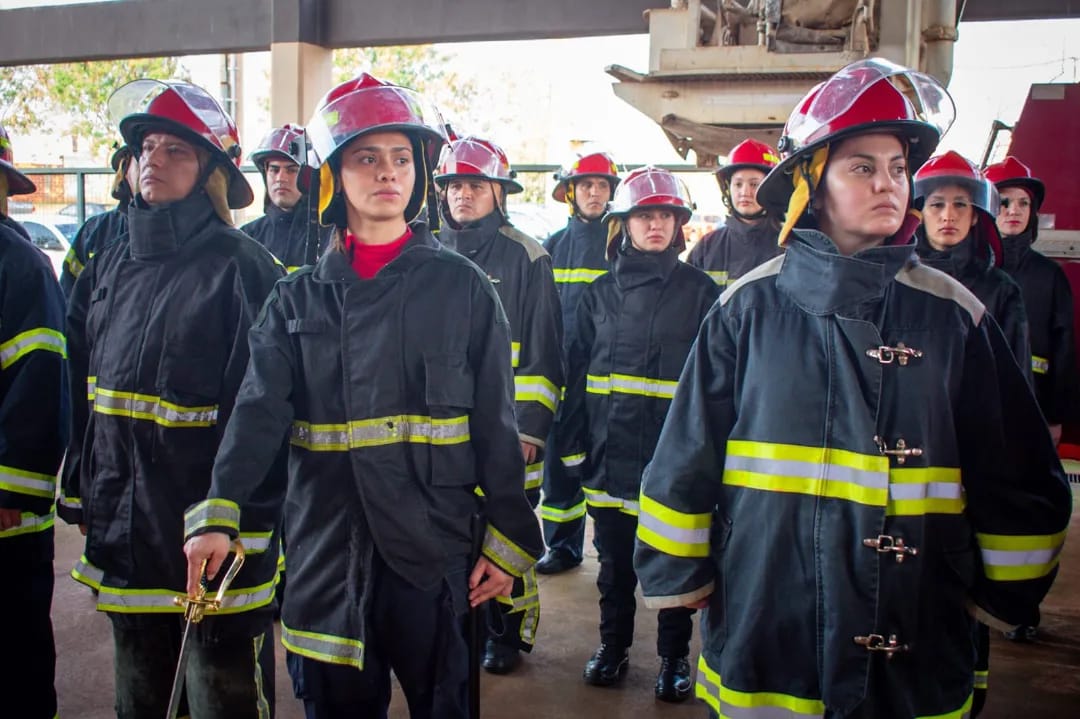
(848, 471)
(387, 365)
(635, 326)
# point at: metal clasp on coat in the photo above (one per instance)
(901, 451)
(885, 543)
(878, 643)
(900, 353)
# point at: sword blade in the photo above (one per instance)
(181, 670)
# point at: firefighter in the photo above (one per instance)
(474, 179)
(388, 366)
(848, 471)
(634, 330)
(157, 329)
(103, 229)
(578, 254)
(33, 425)
(283, 228)
(1046, 292)
(748, 236)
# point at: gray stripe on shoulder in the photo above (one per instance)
(935, 282)
(767, 269)
(534, 249)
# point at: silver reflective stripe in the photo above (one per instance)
(812, 470)
(670, 531)
(1019, 558)
(161, 600)
(597, 385)
(534, 388)
(87, 573)
(153, 409)
(39, 338)
(255, 542)
(509, 557)
(91, 388)
(70, 502)
(598, 498)
(212, 513)
(647, 386)
(573, 460)
(534, 475)
(324, 647)
(21, 481)
(515, 354)
(394, 429)
(926, 490)
(29, 523)
(1039, 365)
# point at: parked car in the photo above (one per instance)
(533, 220)
(92, 208)
(52, 234)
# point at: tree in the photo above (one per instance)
(22, 96)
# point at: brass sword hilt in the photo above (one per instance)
(195, 608)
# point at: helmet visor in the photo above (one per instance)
(942, 188)
(140, 97)
(655, 187)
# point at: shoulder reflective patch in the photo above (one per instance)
(927, 279)
(768, 269)
(534, 249)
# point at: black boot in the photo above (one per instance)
(607, 667)
(673, 683)
(557, 561)
(500, 658)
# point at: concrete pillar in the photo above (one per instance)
(300, 74)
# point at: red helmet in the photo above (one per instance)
(650, 187)
(1010, 172)
(952, 168)
(286, 141)
(367, 104)
(475, 157)
(592, 164)
(18, 183)
(185, 110)
(748, 154)
(872, 95)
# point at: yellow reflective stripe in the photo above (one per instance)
(515, 354)
(260, 691)
(982, 679)
(1017, 557)
(529, 596)
(212, 513)
(1039, 365)
(22, 344)
(719, 277)
(603, 500)
(21, 481)
(74, 266)
(501, 550)
(91, 388)
(536, 388)
(534, 476)
(152, 409)
(816, 471)
(573, 460)
(395, 429)
(630, 384)
(733, 704)
(69, 502)
(962, 713)
(29, 523)
(917, 491)
(256, 542)
(577, 274)
(294, 268)
(559, 515)
(324, 647)
(673, 532)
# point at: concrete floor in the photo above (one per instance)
(1036, 681)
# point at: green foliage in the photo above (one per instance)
(22, 94)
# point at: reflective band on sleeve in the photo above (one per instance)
(534, 476)
(515, 354)
(396, 429)
(982, 679)
(212, 513)
(72, 262)
(597, 498)
(573, 460)
(91, 388)
(733, 704)
(561, 516)
(1015, 558)
(719, 277)
(536, 388)
(499, 549)
(324, 647)
(918, 491)
(21, 481)
(673, 532)
(566, 274)
(630, 384)
(1039, 365)
(255, 542)
(22, 344)
(816, 471)
(69, 502)
(29, 524)
(152, 409)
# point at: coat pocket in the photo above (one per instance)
(189, 386)
(449, 394)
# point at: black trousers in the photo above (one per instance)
(26, 682)
(228, 677)
(417, 633)
(614, 539)
(563, 507)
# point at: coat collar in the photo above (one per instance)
(160, 231)
(334, 265)
(471, 238)
(634, 268)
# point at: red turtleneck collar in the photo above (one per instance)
(367, 260)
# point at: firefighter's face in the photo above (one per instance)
(744, 184)
(651, 230)
(865, 191)
(948, 216)
(377, 177)
(470, 199)
(168, 168)
(281, 175)
(1015, 212)
(132, 174)
(592, 195)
